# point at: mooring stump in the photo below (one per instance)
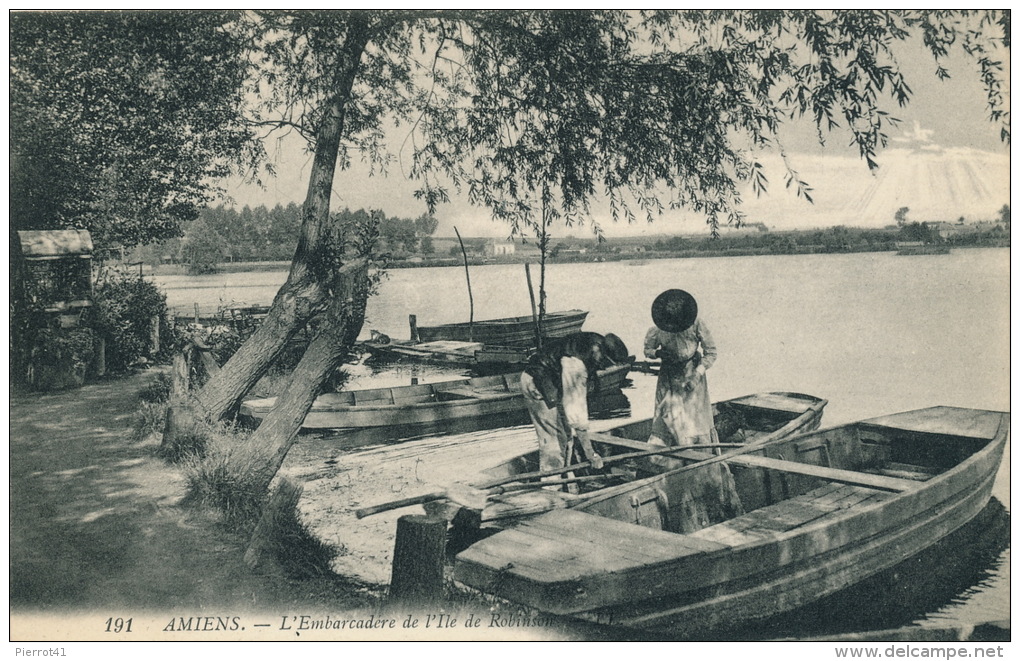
(418, 556)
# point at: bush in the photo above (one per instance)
(124, 306)
(60, 358)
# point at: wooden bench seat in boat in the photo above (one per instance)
(858, 478)
(768, 522)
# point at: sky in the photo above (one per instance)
(945, 160)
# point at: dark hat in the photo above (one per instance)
(615, 349)
(674, 310)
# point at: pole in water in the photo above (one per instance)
(471, 299)
(534, 310)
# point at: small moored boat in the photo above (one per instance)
(820, 512)
(424, 403)
(506, 331)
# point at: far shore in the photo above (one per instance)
(533, 257)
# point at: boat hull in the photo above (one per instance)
(837, 528)
(460, 399)
(506, 331)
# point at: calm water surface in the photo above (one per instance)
(874, 333)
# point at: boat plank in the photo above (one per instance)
(565, 558)
(775, 402)
(945, 420)
(591, 528)
(634, 550)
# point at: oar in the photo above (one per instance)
(645, 366)
(483, 489)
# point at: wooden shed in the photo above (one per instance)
(57, 274)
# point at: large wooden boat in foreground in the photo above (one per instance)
(821, 511)
(749, 420)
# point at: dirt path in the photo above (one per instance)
(97, 529)
(96, 524)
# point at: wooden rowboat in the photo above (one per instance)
(749, 420)
(506, 331)
(425, 403)
(822, 511)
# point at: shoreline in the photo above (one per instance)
(588, 258)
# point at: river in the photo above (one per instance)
(874, 333)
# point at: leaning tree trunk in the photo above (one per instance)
(304, 293)
(339, 328)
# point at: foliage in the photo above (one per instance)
(122, 313)
(119, 120)
(537, 113)
(158, 389)
(70, 349)
(901, 216)
(1004, 214)
(149, 419)
(919, 232)
(202, 248)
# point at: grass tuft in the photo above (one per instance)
(228, 476)
(157, 391)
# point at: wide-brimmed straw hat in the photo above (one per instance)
(674, 310)
(616, 350)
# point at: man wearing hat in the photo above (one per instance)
(682, 341)
(555, 388)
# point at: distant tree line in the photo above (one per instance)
(225, 234)
(833, 239)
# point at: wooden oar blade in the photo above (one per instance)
(466, 496)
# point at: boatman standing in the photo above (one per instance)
(555, 388)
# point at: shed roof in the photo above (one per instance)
(55, 243)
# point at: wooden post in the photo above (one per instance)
(265, 539)
(99, 359)
(412, 320)
(418, 557)
(180, 376)
(154, 335)
(196, 313)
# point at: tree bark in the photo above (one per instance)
(304, 293)
(264, 539)
(339, 328)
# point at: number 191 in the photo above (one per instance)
(118, 625)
